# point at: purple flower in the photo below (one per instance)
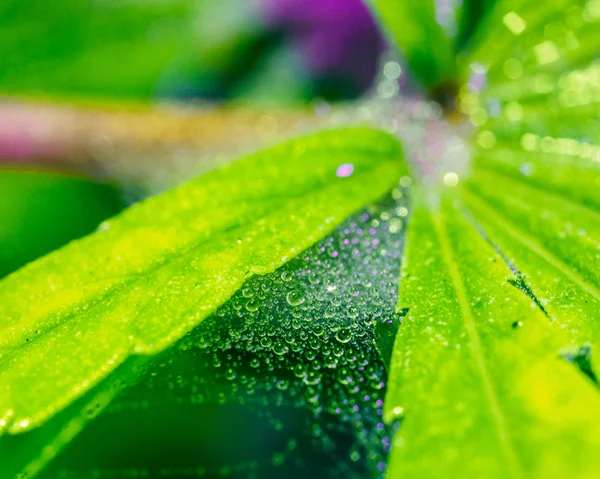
(336, 39)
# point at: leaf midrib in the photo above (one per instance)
(496, 410)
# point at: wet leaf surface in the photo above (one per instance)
(476, 367)
(150, 275)
(283, 378)
(501, 272)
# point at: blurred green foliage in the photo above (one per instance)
(102, 48)
(41, 211)
(138, 50)
(431, 35)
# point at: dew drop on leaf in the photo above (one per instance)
(295, 298)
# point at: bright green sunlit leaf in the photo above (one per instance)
(476, 371)
(501, 276)
(151, 274)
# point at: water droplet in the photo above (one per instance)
(295, 298)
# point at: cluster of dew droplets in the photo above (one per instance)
(304, 335)
(301, 338)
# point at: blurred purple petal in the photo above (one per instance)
(336, 38)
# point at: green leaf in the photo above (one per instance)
(412, 25)
(27, 454)
(74, 49)
(471, 14)
(501, 275)
(554, 241)
(430, 35)
(57, 208)
(196, 403)
(542, 38)
(151, 274)
(476, 370)
(538, 139)
(540, 69)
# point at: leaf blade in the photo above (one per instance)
(165, 264)
(469, 384)
(560, 267)
(530, 202)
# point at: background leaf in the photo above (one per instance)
(33, 209)
(471, 14)
(413, 27)
(71, 48)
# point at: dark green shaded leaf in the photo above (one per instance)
(472, 14)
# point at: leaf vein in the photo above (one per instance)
(529, 242)
(476, 348)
